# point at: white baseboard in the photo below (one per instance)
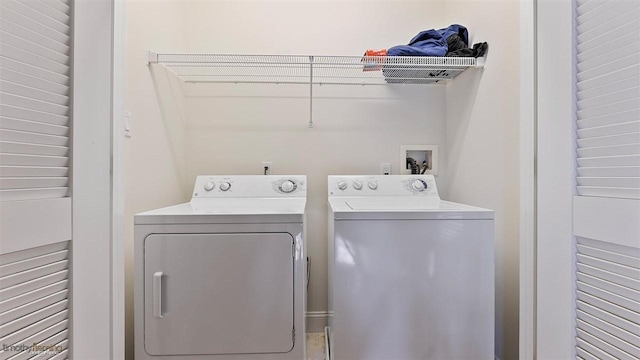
(316, 321)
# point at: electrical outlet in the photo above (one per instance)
(385, 168)
(266, 167)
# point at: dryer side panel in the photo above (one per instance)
(210, 294)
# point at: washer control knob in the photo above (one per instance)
(419, 185)
(288, 186)
(357, 184)
(209, 186)
(373, 185)
(342, 185)
(225, 186)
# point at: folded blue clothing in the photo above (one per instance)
(430, 42)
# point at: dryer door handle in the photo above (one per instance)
(157, 295)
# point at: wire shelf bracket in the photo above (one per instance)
(313, 69)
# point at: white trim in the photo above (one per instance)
(92, 261)
(555, 246)
(316, 321)
(528, 142)
(117, 183)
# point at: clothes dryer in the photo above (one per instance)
(223, 276)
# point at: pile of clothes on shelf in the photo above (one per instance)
(452, 41)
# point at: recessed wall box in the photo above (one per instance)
(419, 159)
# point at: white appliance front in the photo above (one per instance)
(218, 293)
(222, 277)
(410, 276)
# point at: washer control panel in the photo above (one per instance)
(220, 186)
(382, 185)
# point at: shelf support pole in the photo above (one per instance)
(310, 91)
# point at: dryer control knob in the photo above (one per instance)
(288, 186)
(357, 184)
(373, 185)
(209, 186)
(342, 185)
(419, 185)
(225, 186)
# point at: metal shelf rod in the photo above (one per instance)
(310, 91)
(425, 82)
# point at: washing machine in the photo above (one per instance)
(222, 277)
(410, 276)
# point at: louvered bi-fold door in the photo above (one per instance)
(607, 201)
(608, 98)
(35, 202)
(34, 303)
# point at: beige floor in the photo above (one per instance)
(315, 346)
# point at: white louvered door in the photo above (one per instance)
(34, 104)
(35, 201)
(607, 201)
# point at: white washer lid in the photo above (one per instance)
(402, 208)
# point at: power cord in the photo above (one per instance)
(308, 272)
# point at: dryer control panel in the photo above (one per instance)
(253, 186)
(383, 185)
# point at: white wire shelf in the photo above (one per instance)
(314, 70)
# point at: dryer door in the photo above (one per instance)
(218, 293)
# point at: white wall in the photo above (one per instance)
(352, 135)
(232, 129)
(154, 155)
(483, 148)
